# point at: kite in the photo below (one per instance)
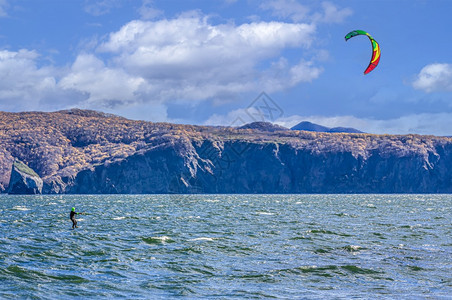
(375, 48)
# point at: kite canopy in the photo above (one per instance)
(375, 48)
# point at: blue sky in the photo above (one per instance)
(210, 61)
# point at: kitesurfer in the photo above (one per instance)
(72, 216)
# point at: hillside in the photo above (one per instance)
(79, 151)
(264, 126)
(308, 126)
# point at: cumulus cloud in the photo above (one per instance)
(151, 63)
(23, 83)
(282, 75)
(100, 84)
(188, 39)
(434, 77)
(189, 58)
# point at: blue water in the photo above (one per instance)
(227, 246)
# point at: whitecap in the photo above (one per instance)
(203, 239)
(161, 238)
(353, 247)
(431, 248)
(264, 213)
(21, 208)
(119, 218)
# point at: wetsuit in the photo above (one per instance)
(74, 221)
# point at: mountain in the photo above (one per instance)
(79, 151)
(308, 126)
(264, 126)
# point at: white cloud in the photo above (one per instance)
(281, 75)
(236, 117)
(100, 7)
(189, 58)
(434, 77)
(332, 14)
(147, 10)
(293, 10)
(179, 39)
(154, 62)
(154, 111)
(287, 9)
(103, 86)
(305, 71)
(22, 83)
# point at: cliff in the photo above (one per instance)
(270, 168)
(24, 180)
(90, 152)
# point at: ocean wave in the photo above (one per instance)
(264, 213)
(158, 251)
(157, 240)
(18, 207)
(203, 239)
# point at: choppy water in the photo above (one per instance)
(227, 246)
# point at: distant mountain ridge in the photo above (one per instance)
(308, 126)
(264, 126)
(88, 152)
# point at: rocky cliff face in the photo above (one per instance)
(90, 152)
(24, 180)
(271, 168)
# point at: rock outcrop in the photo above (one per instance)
(24, 180)
(81, 151)
(270, 168)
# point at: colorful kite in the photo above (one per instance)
(375, 47)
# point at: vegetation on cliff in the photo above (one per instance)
(59, 145)
(24, 180)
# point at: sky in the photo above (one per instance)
(231, 62)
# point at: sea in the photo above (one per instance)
(226, 247)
